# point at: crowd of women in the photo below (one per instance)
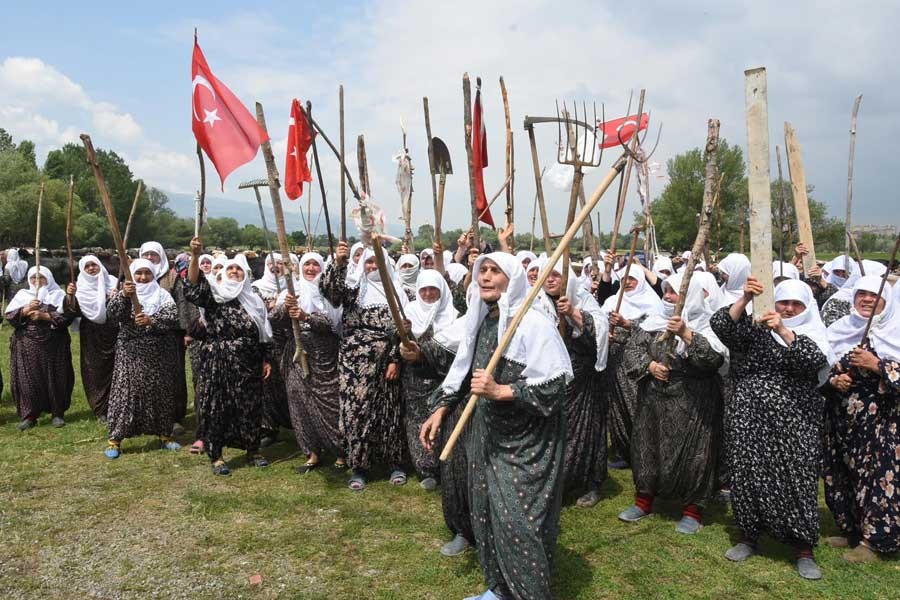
(600, 373)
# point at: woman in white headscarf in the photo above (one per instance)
(40, 358)
(515, 439)
(784, 270)
(734, 269)
(143, 392)
(408, 268)
(678, 424)
(773, 420)
(638, 302)
(272, 282)
(862, 424)
(525, 257)
(586, 337)
(313, 398)
(235, 357)
(840, 303)
(16, 269)
(354, 269)
(368, 361)
(92, 290)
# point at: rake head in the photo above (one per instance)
(576, 141)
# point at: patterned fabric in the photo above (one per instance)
(276, 413)
(834, 310)
(229, 383)
(515, 451)
(773, 430)
(455, 481)
(370, 412)
(98, 353)
(143, 389)
(862, 455)
(621, 393)
(678, 424)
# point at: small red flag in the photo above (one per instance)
(621, 128)
(296, 165)
(224, 128)
(480, 159)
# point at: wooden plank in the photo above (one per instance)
(801, 203)
(850, 179)
(758, 185)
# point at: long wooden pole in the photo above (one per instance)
(859, 259)
(781, 211)
(110, 215)
(431, 169)
(319, 176)
(526, 305)
(801, 204)
(390, 291)
(37, 239)
(341, 158)
(134, 203)
(70, 200)
(510, 208)
(274, 186)
(759, 186)
(467, 122)
(632, 250)
(202, 209)
(887, 272)
(539, 189)
(850, 179)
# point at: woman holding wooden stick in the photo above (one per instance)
(515, 440)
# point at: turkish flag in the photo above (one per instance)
(224, 128)
(296, 166)
(480, 159)
(623, 127)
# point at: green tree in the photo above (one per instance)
(26, 149)
(18, 214)
(6, 141)
(298, 238)
(252, 236)
(222, 233)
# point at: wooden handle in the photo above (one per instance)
(526, 305)
(134, 203)
(389, 291)
(623, 190)
(343, 168)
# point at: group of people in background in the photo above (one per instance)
(601, 372)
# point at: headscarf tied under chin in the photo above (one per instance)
(371, 289)
(884, 335)
(309, 296)
(162, 268)
(151, 297)
(439, 314)
(92, 291)
(225, 290)
(808, 323)
(535, 345)
(639, 302)
(50, 294)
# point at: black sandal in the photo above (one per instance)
(307, 468)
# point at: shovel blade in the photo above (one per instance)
(441, 154)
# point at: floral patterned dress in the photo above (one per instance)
(862, 455)
(229, 384)
(276, 413)
(834, 309)
(773, 430)
(621, 392)
(371, 420)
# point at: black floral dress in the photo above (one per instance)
(621, 392)
(835, 309)
(678, 425)
(862, 455)
(276, 413)
(773, 431)
(230, 383)
(144, 393)
(97, 359)
(370, 415)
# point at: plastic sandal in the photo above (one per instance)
(398, 478)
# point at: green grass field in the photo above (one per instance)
(155, 524)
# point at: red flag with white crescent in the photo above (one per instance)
(622, 128)
(480, 159)
(296, 165)
(224, 128)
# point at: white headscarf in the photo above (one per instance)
(448, 257)
(523, 254)
(536, 264)
(872, 267)
(92, 291)
(641, 301)
(423, 254)
(838, 263)
(354, 268)
(150, 296)
(737, 267)
(582, 300)
(163, 267)
(439, 314)
(808, 323)
(585, 280)
(309, 296)
(241, 259)
(15, 267)
(456, 272)
(371, 290)
(789, 269)
(535, 344)
(715, 299)
(696, 314)
(269, 285)
(663, 263)
(884, 336)
(408, 276)
(226, 290)
(49, 294)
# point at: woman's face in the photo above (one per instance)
(492, 281)
(311, 269)
(430, 294)
(206, 266)
(428, 262)
(370, 265)
(152, 257)
(525, 262)
(34, 280)
(234, 273)
(669, 295)
(532, 276)
(216, 269)
(840, 273)
(553, 285)
(143, 275)
(631, 284)
(276, 267)
(407, 266)
(865, 301)
(665, 273)
(92, 268)
(789, 308)
(357, 254)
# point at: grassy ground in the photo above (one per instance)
(155, 524)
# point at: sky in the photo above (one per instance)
(122, 74)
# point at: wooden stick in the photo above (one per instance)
(390, 292)
(759, 187)
(362, 165)
(510, 210)
(124, 271)
(69, 201)
(850, 179)
(884, 278)
(262, 217)
(343, 168)
(859, 259)
(781, 210)
(595, 247)
(199, 226)
(467, 122)
(274, 186)
(37, 241)
(539, 189)
(431, 169)
(534, 218)
(134, 203)
(526, 305)
(801, 204)
(308, 114)
(623, 190)
(505, 186)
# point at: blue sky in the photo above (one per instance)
(123, 75)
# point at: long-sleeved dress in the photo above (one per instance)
(230, 384)
(314, 400)
(862, 455)
(773, 430)
(97, 359)
(515, 451)
(174, 284)
(40, 356)
(276, 413)
(835, 309)
(370, 411)
(621, 393)
(678, 424)
(144, 393)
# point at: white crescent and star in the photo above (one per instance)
(210, 116)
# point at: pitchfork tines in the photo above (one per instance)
(580, 147)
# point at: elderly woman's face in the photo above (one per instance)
(532, 276)
(428, 262)
(152, 257)
(35, 278)
(553, 285)
(143, 275)
(206, 266)
(370, 265)
(630, 284)
(430, 294)
(311, 269)
(357, 254)
(864, 302)
(276, 267)
(234, 273)
(670, 294)
(92, 268)
(492, 281)
(789, 308)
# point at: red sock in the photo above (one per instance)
(693, 511)
(644, 502)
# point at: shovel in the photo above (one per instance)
(442, 167)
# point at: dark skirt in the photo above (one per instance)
(98, 353)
